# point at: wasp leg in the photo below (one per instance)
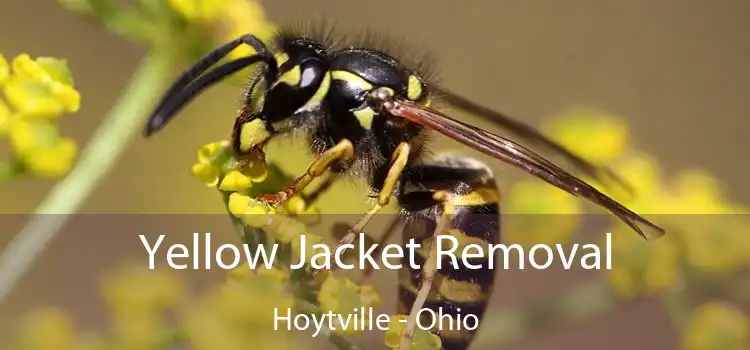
(398, 163)
(429, 270)
(341, 152)
(314, 195)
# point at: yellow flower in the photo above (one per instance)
(41, 88)
(252, 301)
(41, 148)
(250, 211)
(640, 266)
(54, 161)
(207, 152)
(215, 161)
(138, 329)
(715, 243)
(714, 239)
(717, 325)
(205, 173)
(199, 10)
(422, 339)
(344, 297)
(698, 192)
(597, 136)
(235, 181)
(6, 117)
(296, 206)
(47, 329)
(244, 17)
(136, 288)
(4, 69)
(543, 214)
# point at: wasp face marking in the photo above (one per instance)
(302, 83)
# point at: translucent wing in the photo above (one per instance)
(531, 135)
(513, 153)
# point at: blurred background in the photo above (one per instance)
(675, 71)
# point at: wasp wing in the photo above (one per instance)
(513, 153)
(530, 134)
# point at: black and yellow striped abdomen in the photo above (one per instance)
(458, 291)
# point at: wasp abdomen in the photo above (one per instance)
(462, 286)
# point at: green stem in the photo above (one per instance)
(96, 161)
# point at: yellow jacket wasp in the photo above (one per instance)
(366, 114)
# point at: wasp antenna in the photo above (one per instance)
(169, 107)
(186, 87)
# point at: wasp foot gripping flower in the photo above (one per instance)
(543, 214)
(422, 339)
(37, 92)
(217, 163)
(341, 296)
(717, 325)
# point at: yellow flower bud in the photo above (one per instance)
(643, 267)
(26, 135)
(48, 329)
(546, 206)
(42, 87)
(199, 10)
(717, 325)
(4, 69)
(235, 181)
(53, 161)
(207, 151)
(258, 215)
(206, 173)
(295, 205)
(580, 129)
(247, 17)
(5, 118)
(40, 99)
(238, 204)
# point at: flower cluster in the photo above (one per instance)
(717, 325)
(241, 312)
(706, 233)
(703, 231)
(240, 181)
(37, 92)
